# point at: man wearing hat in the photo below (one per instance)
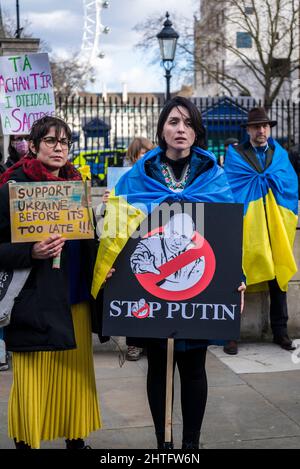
(263, 179)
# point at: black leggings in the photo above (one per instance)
(278, 309)
(191, 366)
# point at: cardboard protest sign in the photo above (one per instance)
(41, 209)
(26, 91)
(178, 275)
(114, 174)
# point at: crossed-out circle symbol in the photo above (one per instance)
(149, 281)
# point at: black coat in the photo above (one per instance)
(294, 156)
(41, 317)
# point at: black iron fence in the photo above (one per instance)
(102, 129)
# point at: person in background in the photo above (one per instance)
(17, 148)
(263, 180)
(137, 148)
(178, 166)
(294, 156)
(229, 141)
(53, 394)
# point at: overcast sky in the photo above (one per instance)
(60, 23)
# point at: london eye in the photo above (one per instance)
(92, 30)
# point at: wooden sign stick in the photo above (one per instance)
(169, 391)
(56, 262)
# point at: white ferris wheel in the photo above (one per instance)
(92, 30)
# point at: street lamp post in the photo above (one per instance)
(19, 29)
(167, 39)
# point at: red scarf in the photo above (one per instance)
(36, 171)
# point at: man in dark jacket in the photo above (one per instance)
(294, 156)
(262, 178)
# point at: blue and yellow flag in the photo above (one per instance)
(270, 203)
(136, 195)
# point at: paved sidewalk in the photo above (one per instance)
(259, 408)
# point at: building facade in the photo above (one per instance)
(242, 48)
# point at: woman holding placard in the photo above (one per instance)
(178, 169)
(53, 393)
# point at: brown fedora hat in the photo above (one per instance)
(258, 115)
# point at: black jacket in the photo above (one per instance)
(41, 318)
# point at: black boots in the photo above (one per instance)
(76, 444)
(21, 445)
(231, 347)
(167, 446)
(284, 341)
(70, 444)
(190, 440)
(162, 444)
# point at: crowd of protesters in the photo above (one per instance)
(50, 334)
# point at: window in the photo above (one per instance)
(249, 10)
(243, 40)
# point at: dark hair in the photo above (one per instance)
(13, 154)
(196, 121)
(41, 127)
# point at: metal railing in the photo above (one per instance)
(108, 126)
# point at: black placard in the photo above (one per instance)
(180, 277)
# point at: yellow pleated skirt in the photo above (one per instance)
(54, 394)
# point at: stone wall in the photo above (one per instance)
(255, 319)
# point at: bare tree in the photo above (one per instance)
(69, 75)
(270, 54)
(271, 27)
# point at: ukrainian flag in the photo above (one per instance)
(136, 195)
(270, 203)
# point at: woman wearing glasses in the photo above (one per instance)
(53, 393)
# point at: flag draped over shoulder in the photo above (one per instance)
(136, 195)
(270, 203)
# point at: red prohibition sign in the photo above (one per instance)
(150, 280)
(143, 312)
